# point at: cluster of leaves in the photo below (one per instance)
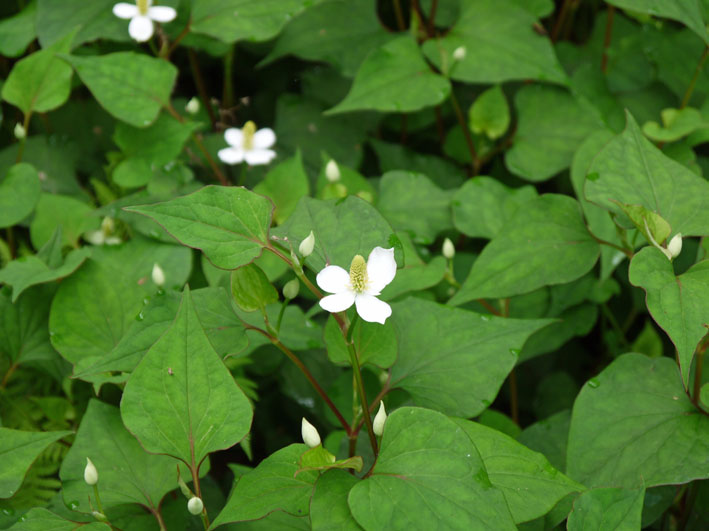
(545, 369)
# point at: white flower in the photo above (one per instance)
(248, 144)
(192, 106)
(448, 249)
(195, 505)
(459, 53)
(90, 473)
(361, 286)
(307, 245)
(379, 419)
(332, 171)
(141, 16)
(20, 133)
(105, 235)
(311, 437)
(158, 275)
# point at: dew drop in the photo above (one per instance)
(8, 512)
(74, 505)
(140, 317)
(484, 317)
(486, 403)
(515, 351)
(594, 383)
(146, 300)
(51, 333)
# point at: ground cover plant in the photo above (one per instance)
(354, 264)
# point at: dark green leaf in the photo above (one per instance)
(285, 184)
(251, 289)
(328, 507)
(18, 31)
(19, 193)
(688, 12)
(607, 509)
(375, 343)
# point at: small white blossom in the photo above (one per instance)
(20, 133)
(248, 144)
(332, 171)
(307, 245)
(105, 235)
(360, 286)
(459, 53)
(379, 419)
(448, 249)
(195, 505)
(158, 275)
(90, 473)
(311, 437)
(192, 106)
(675, 245)
(141, 16)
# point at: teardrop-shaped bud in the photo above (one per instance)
(307, 245)
(90, 473)
(158, 275)
(448, 249)
(311, 437)
(379, 419)
(332, 171)
(290, 290)
(675, 245)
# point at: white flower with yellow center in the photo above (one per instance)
(141, 16)
(360, 286)
(248, 144)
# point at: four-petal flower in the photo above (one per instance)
(141, 16)
(361, 286)
(248, 144)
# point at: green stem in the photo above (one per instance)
(205, 520)
(607, 38)
(699, 366)
(26, 126)
(158, 517)
(280, 315)
(201, 88)
(399, 15)
(692, 84)
(560, 20)
(98, 499)
(614, 324)
(228, 88)
(242, 175)
(466, 133)
(432, 18)
(363, 398)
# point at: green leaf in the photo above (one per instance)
(629, 169)
(272, 486)
(319, 458)
(551, 126)
(500, 44)
(158, 144)
(342, 229)
(40, 82)
(676, 124)
(181, 400)
(545, 242)
(549, 437)
(229, 224)
(72, 215)
(607, 509)
(92, 20)
(328, 506)
(428, 475)
(455, 360)
(633, 426)
(132, 87)
(483, 205)
(19, 193)
(18, 31)
(251, 289)
(40, 519)
(688, 12)
(285, 185)
(413, 204)
(394, 78)
(375, 343)
(326, 31)
(126, 472)
(416, 276)
(678, 304)
(490, 113)
(236, 20)
(532, 487)
(18, 450)
(648, 223)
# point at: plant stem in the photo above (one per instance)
(9, 372)
(692, 84)
(399, 15)
(439, 126)
(626, 252)
(26, 126)
(466, 132)
(363, 397)
(201, 89)
(607, 38)
(560, 20)
(178, 39)
(432, 18)
(699, 366)
(98, 499)
(614, 324)
(228, 89)
(514, 401)
(280, 315)
(158, 517)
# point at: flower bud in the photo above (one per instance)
(448, 249)
(99, 516)
(332, 171)
(379, 419)
(158, 275)
(290, 290)
(307, 245)
(675, 245)
(195, 505)
(90, 473)
(311, 437)
(108, 226)
(192, 106)
(20, 133)
(459, 53)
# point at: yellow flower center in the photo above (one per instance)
(143, 6)
(248, 135)
(358, 274)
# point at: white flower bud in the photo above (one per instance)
(108, 226)
(459, 53)
(675, 245)
(192, 106)
(448, 249)
(99, 516)
(90, 473)
(332, 171)
(195, 505)
(379, 419)
(113, 240)
(158, 275)
(95, 237)
(311, 437)
(290, 290)
(307, 245)
(20, 132)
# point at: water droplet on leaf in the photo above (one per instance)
(594, 383)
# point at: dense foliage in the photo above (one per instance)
(458, 248)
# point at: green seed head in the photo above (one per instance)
(248, 131)
(143, 6)
(358, 274)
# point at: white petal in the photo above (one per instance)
(264, 138)
(124, 10)
(140, 28)
(162, 13)
(254, 157)
(233, 137)
(338, 302)
(333, 279)
(372, 309)
(231, 155)
(381, 269)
